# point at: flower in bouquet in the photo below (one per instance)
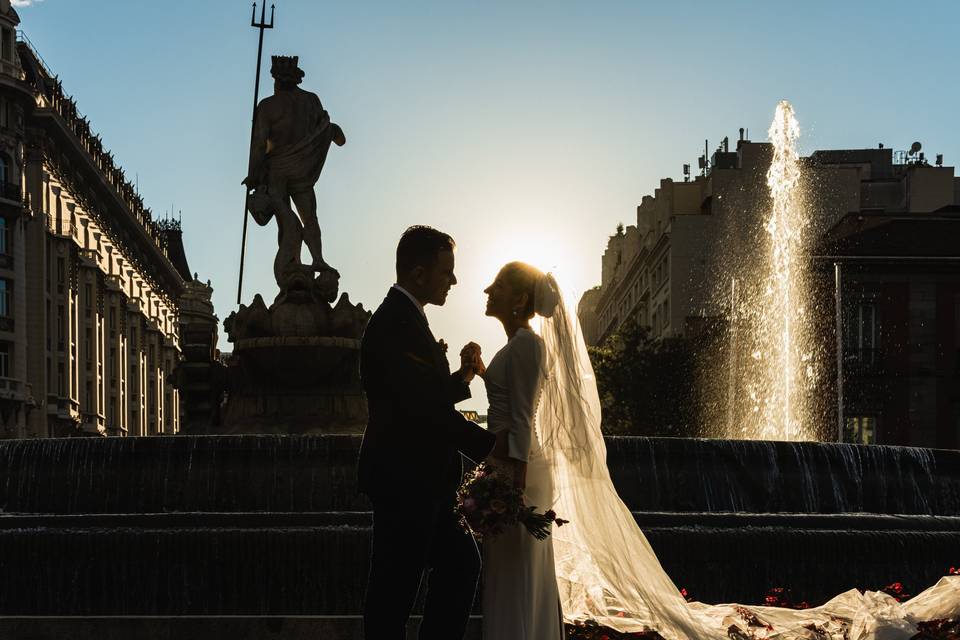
(488, 503)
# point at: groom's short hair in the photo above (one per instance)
(420, 246)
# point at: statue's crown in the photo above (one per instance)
(286, 67)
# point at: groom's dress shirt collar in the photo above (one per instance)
(416, 303)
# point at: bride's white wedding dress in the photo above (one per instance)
(520, 597)
(604, 568)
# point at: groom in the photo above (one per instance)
(410, 459)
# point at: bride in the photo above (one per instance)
(545, 410)
(520, 596)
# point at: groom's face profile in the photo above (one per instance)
(435, 281)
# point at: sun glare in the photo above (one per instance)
(546, 251)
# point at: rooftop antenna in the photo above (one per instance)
(262, 26)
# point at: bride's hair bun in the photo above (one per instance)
(546, 295)
(543, 295)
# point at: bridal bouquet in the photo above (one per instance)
(488, 503)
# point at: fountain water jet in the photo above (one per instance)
(772, 313)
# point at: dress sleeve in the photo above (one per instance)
(524, 373)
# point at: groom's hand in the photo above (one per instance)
(470, 359)
(466, 370)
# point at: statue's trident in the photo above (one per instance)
(262, 25)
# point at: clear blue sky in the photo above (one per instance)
(527, 130)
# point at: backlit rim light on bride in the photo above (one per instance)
(547, 252)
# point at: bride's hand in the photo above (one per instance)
(470, 359)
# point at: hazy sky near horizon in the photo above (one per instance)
(527, 130)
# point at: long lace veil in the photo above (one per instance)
(606, 568)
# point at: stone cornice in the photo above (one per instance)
(99, 200)
(92, 175)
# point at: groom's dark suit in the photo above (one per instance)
(410, 467)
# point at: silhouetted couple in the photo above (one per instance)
(410, 460)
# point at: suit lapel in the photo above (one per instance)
(429, 343)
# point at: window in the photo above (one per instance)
(6, 355)
(4, 238)
(862, 332)
(860, 430)
(61, 326)
(6, 44)
(956, 419)
(956, 341)
(861, 329)
(6, 289)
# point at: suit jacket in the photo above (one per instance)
(414, 436)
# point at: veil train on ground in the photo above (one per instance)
(608, 572)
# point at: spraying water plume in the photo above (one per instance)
(771, 309)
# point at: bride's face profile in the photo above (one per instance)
(502, 300)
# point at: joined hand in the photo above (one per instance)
(471, 363)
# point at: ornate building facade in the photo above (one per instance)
(90, 283)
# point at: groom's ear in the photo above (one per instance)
(417, 274)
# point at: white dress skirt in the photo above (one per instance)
(520, 597)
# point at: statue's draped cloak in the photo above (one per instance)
(298, 166)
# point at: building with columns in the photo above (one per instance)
(90, 282)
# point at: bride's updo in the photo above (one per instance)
(541, 289)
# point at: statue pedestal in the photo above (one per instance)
(295, 367)
(295, 385)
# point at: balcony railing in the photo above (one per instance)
(863, 362)
(9, 386)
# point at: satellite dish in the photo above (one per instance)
(915, 148)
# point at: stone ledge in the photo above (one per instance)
(198, 628)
